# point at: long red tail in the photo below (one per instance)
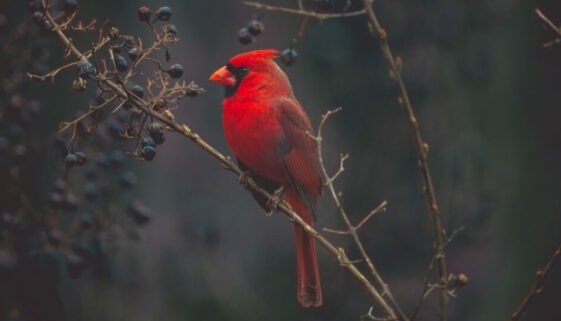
(309, 287)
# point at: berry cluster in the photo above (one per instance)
(117, 67)
(130, 86)
(252, 29)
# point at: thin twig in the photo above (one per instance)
(422, 152)
(548, 22)
(378, 210)
(537, 286)
(307, 13)
(428, 287)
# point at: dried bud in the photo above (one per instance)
(144, 13)
(288, 56)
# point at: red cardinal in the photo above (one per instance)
(268, 131)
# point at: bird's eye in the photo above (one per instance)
(243, 71)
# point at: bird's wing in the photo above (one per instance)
(299, 152)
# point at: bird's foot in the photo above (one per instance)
(244, 179)
(273, 202)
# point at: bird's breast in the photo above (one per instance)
(254, 134)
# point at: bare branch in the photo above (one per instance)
(306, 13)
(537, 286)
(548, 22)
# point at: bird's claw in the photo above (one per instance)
(274, 201)
(244, 179)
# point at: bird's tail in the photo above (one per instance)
(309, 288)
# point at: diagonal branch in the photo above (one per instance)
(536, 286)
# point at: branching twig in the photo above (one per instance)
(352, 230)
(422, 151)
(306, 13)
(378, 210)
(537, 286)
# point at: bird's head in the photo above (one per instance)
(252, 70)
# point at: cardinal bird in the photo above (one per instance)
(269, 132)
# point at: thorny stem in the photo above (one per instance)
(537, 286)
(352, 230)
(228, 164)
(422, 153)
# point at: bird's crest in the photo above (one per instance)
(255, 56)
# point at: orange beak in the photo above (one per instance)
(223, 77)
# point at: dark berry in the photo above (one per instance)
(86, 220)
(34, 106)
(54, 237)
(15, 132)
(55, 200)
(4, 144)
(85, 69)
(138, 90)
(148, 152)
(139, 212)
(20, 151)
(128, 105)
(91, 173)
(81, 158)
(156, 132)
(160, 104)
(59, 186)
(116, 159)
(114, 33)
(75, 265)
(244, 36)
(121, 63)
(3, 22)
(128, 180)
(164, 13)
(133, 53)
(193, 90)
(70, 5)
(102, 160)
(129, 40)
(171, 29)
(70, 202)
(255, 27)
(148, 141)
(71, 160)
(288, 56)
(91, 191)
(34, 5)
(115, 129)
(175, 71)
(144, 13)
(324, 4)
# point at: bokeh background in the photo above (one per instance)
(487, 96)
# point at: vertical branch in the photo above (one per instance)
(422, 149)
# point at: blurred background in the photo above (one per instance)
(486, 93)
